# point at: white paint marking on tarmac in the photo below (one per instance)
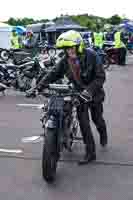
(16, 151)
(32, 139)
(38, 106)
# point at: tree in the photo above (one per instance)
(115, 20)
(90, 21)
(12, 21)
(24, 21)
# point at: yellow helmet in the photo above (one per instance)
(70, 39)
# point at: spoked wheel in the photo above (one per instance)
(4, 55)
(52, 52)
(49, 156)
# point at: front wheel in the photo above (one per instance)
(50, 156)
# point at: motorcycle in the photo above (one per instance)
(112, 55)
(14, 54)
(60, 124)
(27, 73)
(46, 48)
(8, 74)
(22, 76)
(32, 71)
(130, 47)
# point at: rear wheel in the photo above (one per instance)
(50, 156)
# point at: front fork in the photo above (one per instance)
(55, 123)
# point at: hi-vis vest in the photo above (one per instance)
(118, 42)
(98, 39)
(14, 42)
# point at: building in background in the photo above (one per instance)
(5, 36)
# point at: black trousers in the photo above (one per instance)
(96, 111)
(122, 56)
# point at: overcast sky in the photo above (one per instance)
(39, 9)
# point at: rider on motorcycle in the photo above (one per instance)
(83, 68)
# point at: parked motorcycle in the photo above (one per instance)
(109, 56)
(19, 77)
(17, 56)
(130, 47)
(22, 76)
(113, 55)
(27, 73)
(46, 48)
(8, 74)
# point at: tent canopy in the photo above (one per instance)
(127, 25)
(65, 23)
(35, 28)
(19, 29)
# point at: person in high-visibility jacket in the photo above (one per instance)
(14, 40)
(98, 39)
(119, 44)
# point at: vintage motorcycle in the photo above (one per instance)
(60, 124)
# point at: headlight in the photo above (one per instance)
(67, 98)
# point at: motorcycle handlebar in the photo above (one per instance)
(70, 93)
(62, 90)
